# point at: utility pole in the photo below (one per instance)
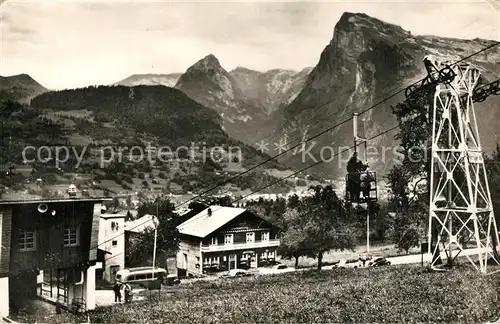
(367, 200)
(156, 235)
(368, 232)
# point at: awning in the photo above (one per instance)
(101, 254)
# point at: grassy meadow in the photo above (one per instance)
(407, 294)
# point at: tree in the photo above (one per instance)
(406, 232)
(128, 216)
(492, 165)
(168, 240)
(293, 242)
(414, 120)
(7, 108)
(322, 223)
(116, 202)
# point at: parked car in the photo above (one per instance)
(344, 264)
(378, 261)
(236, 273)
(280, 267)
(172, 280)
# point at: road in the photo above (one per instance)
(107, 297)
(405, 259)
(416, 258)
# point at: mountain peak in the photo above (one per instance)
(209, 60)
(21, 77)
(361, 22)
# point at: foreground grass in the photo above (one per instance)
(386, 294)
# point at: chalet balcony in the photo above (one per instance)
(240, 246)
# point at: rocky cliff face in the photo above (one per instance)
(366, 61)
(20, 88)
(272, 89)
(167, 80)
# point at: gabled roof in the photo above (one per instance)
(139, 225)
(202, 225)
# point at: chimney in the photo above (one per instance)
(209, 211)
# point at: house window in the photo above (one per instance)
(213, 241)
(71, 236)
(115, 226)
(265, 236)
(26, 241)
(211, 260)
(198, 260)
(228, 239)
(114, 243)
(250, 237)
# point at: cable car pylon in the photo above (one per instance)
(460, 209)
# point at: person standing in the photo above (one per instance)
(354, 168)
(128, 293)
(118, 294)
(59, 303)
(366, 183)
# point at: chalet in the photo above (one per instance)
(225, 238)
(57, 238)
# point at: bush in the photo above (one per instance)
(301, 183)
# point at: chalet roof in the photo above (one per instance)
(202, 225)
(106, 216)
(139, 225)
(38, 201)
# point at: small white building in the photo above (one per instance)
(112, 241)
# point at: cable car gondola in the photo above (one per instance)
(361, 182)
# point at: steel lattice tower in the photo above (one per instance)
(460, 202)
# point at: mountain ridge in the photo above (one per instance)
(168, 80)
(20, 87)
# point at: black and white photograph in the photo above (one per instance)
(250, 161)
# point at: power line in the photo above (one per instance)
(319, 134)
(326, 130)
(291, 175)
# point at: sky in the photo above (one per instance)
(70, 44)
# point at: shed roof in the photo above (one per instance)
(141, 224)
